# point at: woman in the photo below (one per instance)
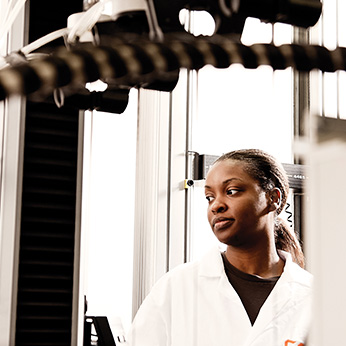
(256, 292)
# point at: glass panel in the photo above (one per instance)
(239, 108)
(255, 31)
(341, 8)
(330, 94)
(341, 91)
(330, 21)
(108, 212)
(327, 90)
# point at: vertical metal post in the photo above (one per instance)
(188, 165)
(301, 110)
(78, 304)
(301, 100)
(150, 248)
(191, 88)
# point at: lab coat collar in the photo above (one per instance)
(293, 272)
(212, 266)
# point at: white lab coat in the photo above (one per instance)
(195, 305)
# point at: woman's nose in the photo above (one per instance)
(218, 206)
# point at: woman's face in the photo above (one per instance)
(238, 208)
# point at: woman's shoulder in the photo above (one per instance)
(210, 264)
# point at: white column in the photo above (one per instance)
(12, 144)
(325, 241)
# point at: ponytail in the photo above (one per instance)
(286, 240)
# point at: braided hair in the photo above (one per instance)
(270, 174)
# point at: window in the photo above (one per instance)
(327, 89)
(108, 213)
(237, 108)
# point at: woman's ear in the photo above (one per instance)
(274, 199)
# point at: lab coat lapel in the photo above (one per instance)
(280, 300)
(226, 289)
(213, 267)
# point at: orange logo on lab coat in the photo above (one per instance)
(293, 343)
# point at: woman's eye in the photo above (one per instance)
(232, 191)
(209, 198)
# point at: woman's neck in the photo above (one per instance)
(265, 263)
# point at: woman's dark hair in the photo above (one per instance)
(270, 174)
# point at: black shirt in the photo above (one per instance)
(252, 290)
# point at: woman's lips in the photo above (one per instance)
(220, 223)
